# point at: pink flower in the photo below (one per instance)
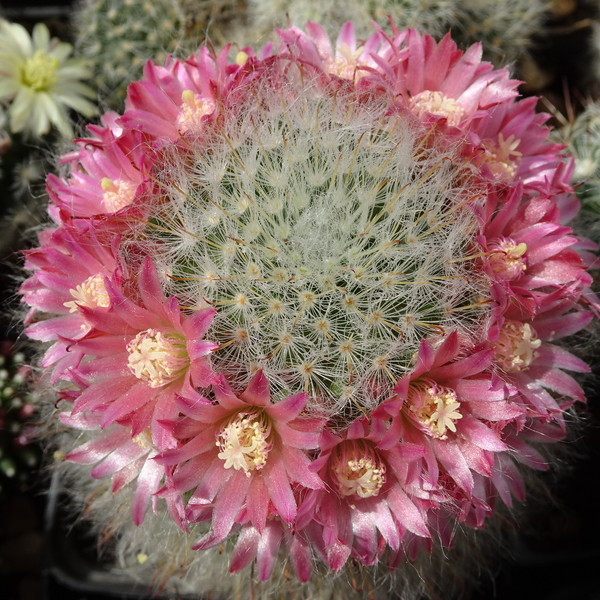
(69, 272)
(137, 359)
(371, 496)
(529, 252)
(119, 456)
(263, 546)
(455, 409)
(106, 174)
(244, 454)
(174, 100)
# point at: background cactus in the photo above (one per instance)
(18, 455)
(119, 36)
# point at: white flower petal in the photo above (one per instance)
(8, 88)
(86, 108)
(39, 121)
(41, 37)
(15, 38)
(62, 51)
(20, 109)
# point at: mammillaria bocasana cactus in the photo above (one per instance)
(302, 307)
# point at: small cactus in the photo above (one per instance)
(118, 36)
(18, 455)
(583, 140)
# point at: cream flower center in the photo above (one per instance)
(244, 442)
(345, 64)
(507, 260)
(516, 347)
(157, 358)
(39, 72)
(117, 194)
(438, 104)
(435, 406)
(144, 440)
(91, 294)
(193, 108)
(358, 471)
(502, 157)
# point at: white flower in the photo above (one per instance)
(39, 80)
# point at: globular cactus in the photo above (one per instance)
(19, 455)
(119, 36)
(304, 317)
(583, 140)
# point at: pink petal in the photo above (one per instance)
(495, 411)
(150, 289)
(556, 380)
(549, 355)
(297, 465)
(196, 326)
(287, 409)
(268, 546)
(301, 557)
(257, 393)
(138, 395)
(148, 482)
(102, 393)
(118, 459)
(558, 327)
(454, 462)
(228, 503)
(258, 503)
(98, 448)
(127, 474)
(480, 434)
(297, 439)
(190, 474)
(473, 390)
(213, 479)
(201, 443)
(245, 549)
(406, 512)
(466, 367)
(280, 491)
(225, 396)
(386, 525)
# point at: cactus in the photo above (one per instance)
(118, 36)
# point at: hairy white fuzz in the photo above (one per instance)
(330, 238)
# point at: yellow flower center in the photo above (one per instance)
(438, 104)
(241, 58)
(245, 443)
(144, 440)
(117, 194)
(345, 65)
(91, 294)
(435, 406)
(157, 358)
(39, 72)
(193, 108)
(502, 157)
(358, 470)
(516, 346)
(507, 260)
